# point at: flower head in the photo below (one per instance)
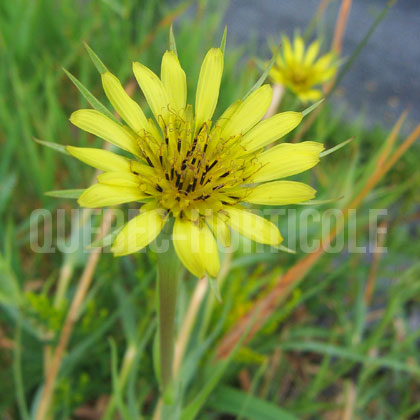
(303, 71)
(189, 167)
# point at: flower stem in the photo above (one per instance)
(167, 284)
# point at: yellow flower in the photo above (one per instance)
(302, 72)
(188, 167)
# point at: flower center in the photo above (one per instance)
(299, 77)
(194, 168)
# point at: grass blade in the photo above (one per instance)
(360, 47)
(232, 401)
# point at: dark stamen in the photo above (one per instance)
(178, 180)
(211, 166)
(194, 184)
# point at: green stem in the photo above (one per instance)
(167, 284)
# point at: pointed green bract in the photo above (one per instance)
(55, 146)
(65, 193)
(312, 107)
(338, 147)
(223, 43)
(95, 103)
(285, 249)
(95, 59)
(262, 78)
(215, 288)
(172, 42)
(319, 202)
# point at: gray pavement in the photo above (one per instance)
(386, 78)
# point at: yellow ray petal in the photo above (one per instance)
(174, 81)
(225, 117)
(143, 170)
(101, 159)
(139, 232)
(128, 109)
(253, 227)
(119, 179)
(271, 129)
(280, 193)
(287, 159)
(208, 86)
(153, 90)
(209, 253)
(220, 229)
(324, 62)
(186, 238)
(99, 195)
(299, 49)
(249, 112)
(312, 52)
(310, 95)
(99, 125)
(326, 74)
(288, 52)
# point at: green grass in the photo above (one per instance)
(324, 348)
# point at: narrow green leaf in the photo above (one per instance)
(17, 371)
(7, 187)
(96, 104)
(172, 42)
(190, 411)
(116, 385)
(10, 293)
(232, 401)
(55, 146)
(95, 59)
(312, 107)
(335, 148)
(360, 47)
(65, 193)
(352, 354)
(223, 43)
(262, 78)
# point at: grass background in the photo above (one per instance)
(341, 342)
